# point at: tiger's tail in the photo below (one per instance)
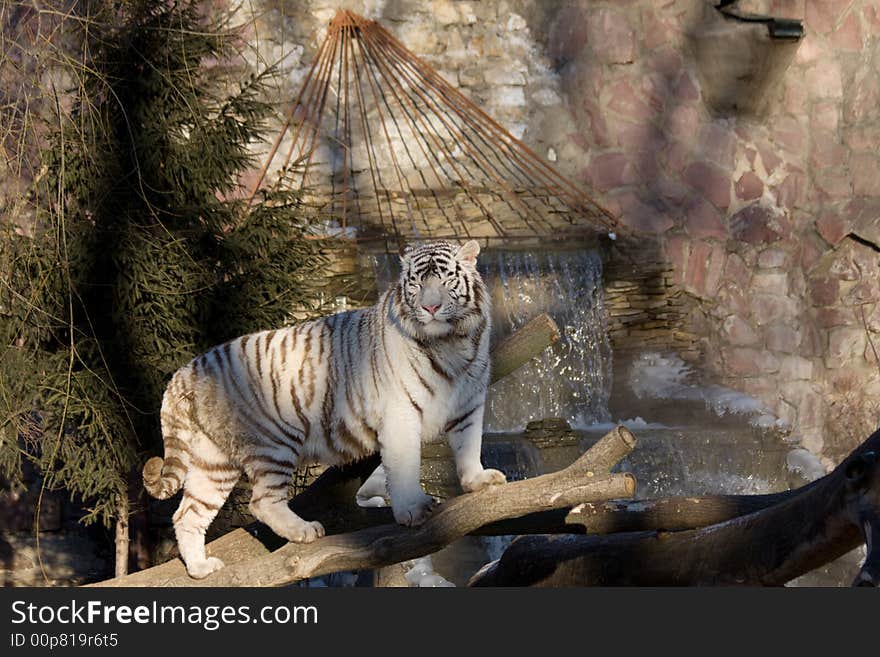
(163, 477)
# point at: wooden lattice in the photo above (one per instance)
(401, 154)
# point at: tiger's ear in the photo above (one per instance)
(405, 251)
(468, 253)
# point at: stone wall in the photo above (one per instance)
(751, 161)
(767, 213)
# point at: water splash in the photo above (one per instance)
(572, 379)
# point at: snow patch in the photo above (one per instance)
(373, 492)
(657, 376)
(805, 463)
(420, 573)
(633, 423)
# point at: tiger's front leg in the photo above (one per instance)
(401, 449)
(465, 436)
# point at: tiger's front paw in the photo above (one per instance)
(415, 511)
(483, 479)
(204, 567)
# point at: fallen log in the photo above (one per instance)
(802, 530)
(587, 479)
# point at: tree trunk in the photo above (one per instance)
(122, 534)
(584, 480)
(784, 537)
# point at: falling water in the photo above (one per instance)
(572, 379)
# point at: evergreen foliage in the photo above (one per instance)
(143, 254)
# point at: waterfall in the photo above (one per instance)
(572, 379)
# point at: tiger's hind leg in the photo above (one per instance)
(210, 479)
(270, 476)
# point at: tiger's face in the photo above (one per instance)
(441, 288)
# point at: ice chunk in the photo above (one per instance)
(373, 492)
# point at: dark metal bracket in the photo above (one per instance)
(789, 29)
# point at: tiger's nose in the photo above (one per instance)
(431, 309)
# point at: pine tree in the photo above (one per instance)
(143, 253)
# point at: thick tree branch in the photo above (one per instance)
(584, 480)
(801, 531)
(523, 345)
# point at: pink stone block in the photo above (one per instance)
(655, 90)
(832, 227)
(718, 144)
(715, 269)
(627, 103)
(704, 221)
(697, 267)
(609, 171)
(782, 338)
(848, 35)
(826, 151)
(667, 61)
(787, 8)
(772, 258)
(862, 101)
(769, 309)
(788, 134)
(822, 15)
(677, 250)
(865, 174)
(686, 89)
(863, 292)
(791, 192)
(680, 123)
(750, 362)
(568, 34)
(656, 32)
(642, 217)
(829, 317)
(749, 187)
(823, 79)
(809, 254)
(676, 157)
(610, 36)
(738, 332)
(670, 191)
(596, 125)
(769, 157)
(756, 224)
(872, 16)
(825, 117)
(824, 290)
(731, 298)
(831, 185)
(644, 137)
(711, 181)
(863, 138)
(737, 271)
(845, 343)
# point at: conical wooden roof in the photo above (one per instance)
(401, 155)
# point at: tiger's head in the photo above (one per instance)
(440, 291)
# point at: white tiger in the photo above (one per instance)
(332, 390)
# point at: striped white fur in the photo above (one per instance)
(412, 367)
